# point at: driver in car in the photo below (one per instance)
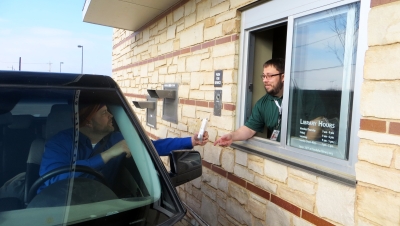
(99, 146)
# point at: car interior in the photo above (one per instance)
(25, 126)
(22, 144)
(18, 134)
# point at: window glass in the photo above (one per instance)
(322, 71)
(38, 122)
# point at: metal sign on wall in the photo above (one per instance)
(218, 78)
(170, 104)
(151, 114)
(217, 102)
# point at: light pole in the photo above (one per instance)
(60, 66)
(79, 46)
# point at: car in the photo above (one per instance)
(36, 106)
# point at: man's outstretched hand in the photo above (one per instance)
(196, 141)
(224, 141)
(243, 133)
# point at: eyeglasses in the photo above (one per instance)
(269, 76)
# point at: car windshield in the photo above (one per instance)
(53, 167)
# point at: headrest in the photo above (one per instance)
(59, 118)
(21, 121)
(36, 152)
(6, 118)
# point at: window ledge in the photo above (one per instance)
(348, 180)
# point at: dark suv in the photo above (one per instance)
(34, 107)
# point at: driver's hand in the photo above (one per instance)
(196, 141)
(116, 150)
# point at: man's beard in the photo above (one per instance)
(275, 90)
(106, 130)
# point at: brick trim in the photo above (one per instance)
(259, 191)
(375, 3)
(220, 171)
(229, 107)
(125, 39)
(135, 95)
(380, 126)
(152, 136)
(373, 125)
(200, 103)
(314, 219)
(204, 45)
(286, 205)
(206, 164)
(394, 128)
(232, 177)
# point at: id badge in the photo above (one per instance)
(274, 135)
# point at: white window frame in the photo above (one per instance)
(254, 19)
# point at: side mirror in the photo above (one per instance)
(185, 166)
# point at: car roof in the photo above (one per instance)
(51, 79)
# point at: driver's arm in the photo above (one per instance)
(59, 153)
(166, 145)
(116, 150)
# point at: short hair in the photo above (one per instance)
(277, 63)
(86, 113)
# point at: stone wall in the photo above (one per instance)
(378, 169)
(195, 38)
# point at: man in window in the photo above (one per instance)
(100, 147)
(267, 112)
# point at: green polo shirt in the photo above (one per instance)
(265, 114)
(306, 106)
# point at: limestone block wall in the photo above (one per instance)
(378, 169)
(186, 44)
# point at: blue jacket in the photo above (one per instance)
(59, 150)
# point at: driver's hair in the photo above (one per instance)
(86, 113)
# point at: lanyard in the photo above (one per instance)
(280, 114)
(279, 107)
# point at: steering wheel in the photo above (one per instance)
(65, 169)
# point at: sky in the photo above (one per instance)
(44, 33)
